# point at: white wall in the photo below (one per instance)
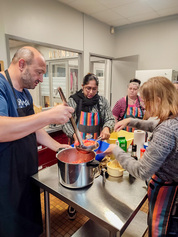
(156, 47)
(45, 21)
(122, 71)
(97, 39)
(155, 43)
(51, 22)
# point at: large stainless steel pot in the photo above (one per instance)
(76, 169)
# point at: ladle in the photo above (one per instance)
(82, 148)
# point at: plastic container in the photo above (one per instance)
(114, 137)
(99, 151)
(122, 143)
(114, 169)
(145, 145)
(142, 150)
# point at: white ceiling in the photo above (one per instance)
(119, 13)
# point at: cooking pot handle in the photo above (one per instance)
(93, 163)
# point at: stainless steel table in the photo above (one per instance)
(112, 204)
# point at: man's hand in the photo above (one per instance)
(75, 138)
(60, 114)
(64, 146)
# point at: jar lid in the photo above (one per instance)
(142, 149)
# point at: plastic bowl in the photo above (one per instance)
(114, 169)
(129, 136)
(99, 151)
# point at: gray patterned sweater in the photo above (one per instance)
(161, 156)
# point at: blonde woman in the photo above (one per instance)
(159, 163)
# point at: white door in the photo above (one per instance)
(101, 67)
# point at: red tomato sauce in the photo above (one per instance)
(86, 143)
(99, 152)
(79, 161)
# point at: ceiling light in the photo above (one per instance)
(112, 31)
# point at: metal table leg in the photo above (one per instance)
(47, 213)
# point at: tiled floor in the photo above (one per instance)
(61, 226)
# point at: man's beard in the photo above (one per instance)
(27, 81)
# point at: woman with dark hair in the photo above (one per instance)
(92, 114)
(159, 163)
(130, 105)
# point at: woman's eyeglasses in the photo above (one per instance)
(88, 88)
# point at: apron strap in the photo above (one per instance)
(78, 110)
(125, 108)
(10, 82)
(100, 117)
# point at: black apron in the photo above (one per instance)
(20, 208)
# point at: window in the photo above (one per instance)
(62, 69)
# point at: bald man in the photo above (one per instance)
(20, 130)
